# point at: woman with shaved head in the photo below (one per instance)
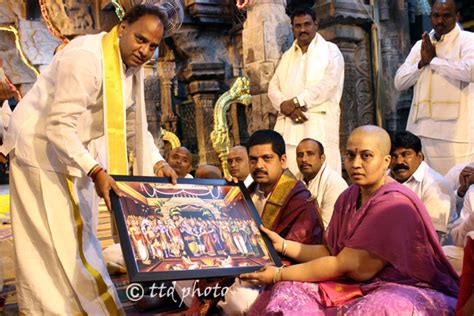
(382, 254)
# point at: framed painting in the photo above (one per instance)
(196, 229)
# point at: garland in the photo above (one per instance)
(119, 11)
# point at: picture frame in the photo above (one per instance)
(198, 228)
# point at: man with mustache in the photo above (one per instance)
(72, 130)
(283, 203)
(407, 167)
(441, 66)
(324, 183)
(306, 90)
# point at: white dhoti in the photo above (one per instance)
(442, 155)
(239, 298)
(60, 269)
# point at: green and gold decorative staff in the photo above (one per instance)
(238, 93)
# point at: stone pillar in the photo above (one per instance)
(265, 38)
(345, 23)
(203, 86)
(395, 46)
(167, 71)
(153, 105)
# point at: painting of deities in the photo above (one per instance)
(190, 227)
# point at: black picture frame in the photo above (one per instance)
(199, 228)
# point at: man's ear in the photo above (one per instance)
(283, 161)
(323, 157)
(121, 28)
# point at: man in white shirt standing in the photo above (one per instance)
(441, 66)
(238, 162)
(306, 90)
(407, 167)
(324, 183)
(83, 115)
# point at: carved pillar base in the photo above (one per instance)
(204, 88)
(204, 96)
(168, 118)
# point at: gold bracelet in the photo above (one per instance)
(161, 166)
(277, 275)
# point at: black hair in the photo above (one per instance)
(457, 5)
(140, 10)
(303, 10)
(406, 139)
(321, 147)
(268, 136)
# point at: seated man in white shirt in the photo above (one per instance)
(180, 159)
(238, 164)
(408, 168)
(324, 183)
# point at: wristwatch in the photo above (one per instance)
(296, 102)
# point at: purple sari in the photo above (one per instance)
(395, 226)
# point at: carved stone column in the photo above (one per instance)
(395, 46)
(153, 105)
(203, 86)
(265, 38)
(345, 23)
(167, 71)
(357, 104)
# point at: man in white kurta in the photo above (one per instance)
(441, 66)
(58, 135)
(324, 183)
(306, 90)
